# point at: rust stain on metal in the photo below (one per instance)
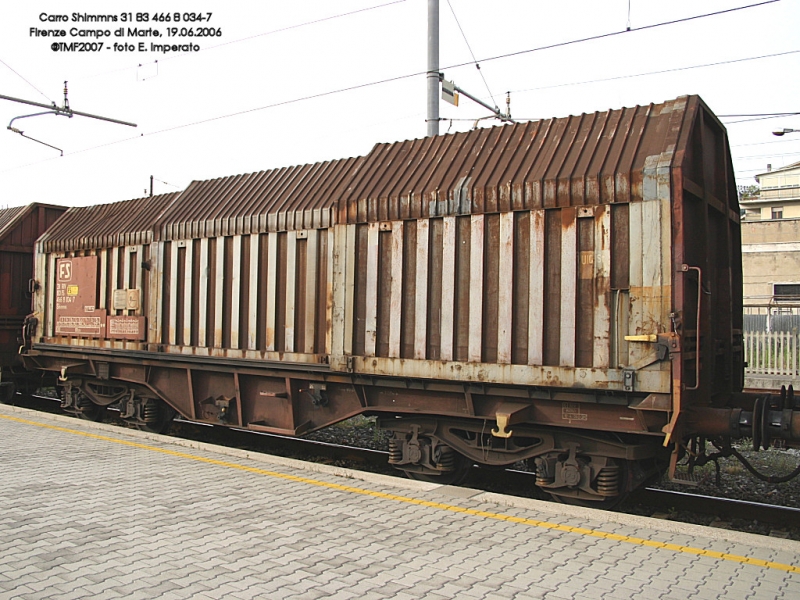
(107, 225)
(292, 198)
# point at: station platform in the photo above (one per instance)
(94, 511)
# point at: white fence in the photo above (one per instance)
(771, 353)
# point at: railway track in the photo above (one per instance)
(657, 502)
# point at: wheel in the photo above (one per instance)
(606, 503)
(90, 412)
(162, 413)
(458, 475)
(77, 404)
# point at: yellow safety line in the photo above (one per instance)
(441, 506)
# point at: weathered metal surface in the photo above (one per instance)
(76, 311)
(520, 256)
(575, 161)
(19, 228)
(523, 375)
(125, 223)
(532, 266)
(524, 287)
(125, 328)
(255, 294)
(292, 198)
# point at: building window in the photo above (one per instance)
(786, 291)
(777, 212)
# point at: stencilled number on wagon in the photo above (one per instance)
(65, 270)
(571, 411)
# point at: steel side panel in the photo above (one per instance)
(396, 300)
(137, 284)
(349, 286)
(202, 334)
(506, 297)
(476, 288)
(236, 290)
(291, 279)
(421, 287)
(329, 291)
(536, 293)
(113, 273)
(602, 278)
(51, 295)
(156, 283)
(173, 297)
(664, 191)
(338, 283)
(371, 317)
(654, 378)
(654, 292)
(40, 275)
(309, 318)
(635, 324)
(448, 286)
(252, 304)
(648, 380)
(126, 269)
(219, 291)
(272, 288)
(569, 281)
(188, 280)
(103, 257)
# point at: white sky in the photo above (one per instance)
(251, 66)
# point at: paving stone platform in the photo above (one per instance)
(93, 511)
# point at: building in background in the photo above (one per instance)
(778, 197)
(771, 277)
(771, 238)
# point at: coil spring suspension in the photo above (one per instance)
(150, 412)
(544, 473)
(395, 451)
(608, 481)
(447, 458)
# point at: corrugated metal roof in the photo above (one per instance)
(9, 216)
(577, 160)
(107, 225)
(300, 197)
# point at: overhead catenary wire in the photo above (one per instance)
(601, 36)
(775, 114)
(401, 77)
(763, 118)
(766, 156)
(659, 72)
(477, 63)
(789, 141)
(10, 68)
(167, 183)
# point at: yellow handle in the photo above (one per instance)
(641, 338)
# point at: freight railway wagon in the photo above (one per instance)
(566, 292)
(19, 228)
